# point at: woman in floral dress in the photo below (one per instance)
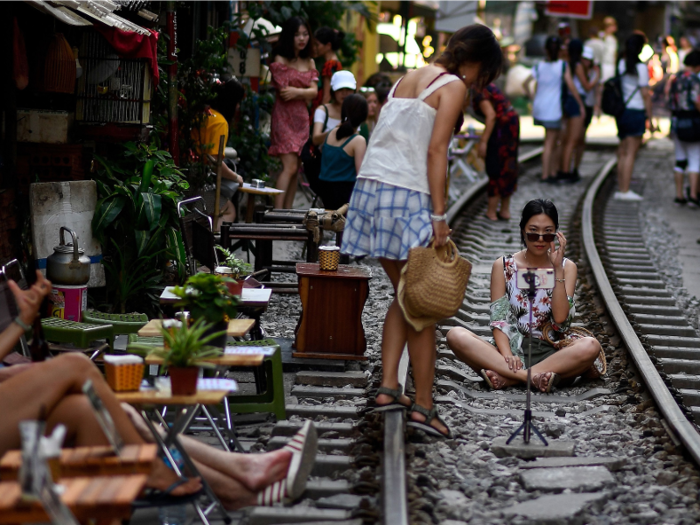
(503, 362)
(294, 76)
(499, 147)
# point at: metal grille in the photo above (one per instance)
(112, 89)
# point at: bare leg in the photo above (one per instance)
(693, 178)
(505, 207)
(232, 494)
(292, 189)
(580, 148)
(492, 208)
(550, 141)
(573, 132)
(627, 155)
(421, 349)
(290, 166)
(678, 177)
(571, 361)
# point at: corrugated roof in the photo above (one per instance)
(87, 11)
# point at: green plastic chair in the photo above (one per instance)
(121, 323)
(58, 330)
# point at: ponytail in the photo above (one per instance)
(352, 114)
(326, 35)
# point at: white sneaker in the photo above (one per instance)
(628, 196)
(617, 195)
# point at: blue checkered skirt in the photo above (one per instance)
(386, 221)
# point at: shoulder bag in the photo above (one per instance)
(688, 122)
(311, 157)
(612, 102)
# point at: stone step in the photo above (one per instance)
(555, 509)
(282, 515)
(688, 381)
(325, 411)
(677, 352)
(669, 340)
(336, 379)
(611, 463)
(654, 309)
(325, 445)
(289, 428)
(664, 320)
(680, 366)
(632, 299)
(320, 392)
(571, 478)
(672, 330)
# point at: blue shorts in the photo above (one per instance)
(632, 123)
(571, 107)
(548, 124)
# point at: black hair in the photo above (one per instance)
(285, 44)
(552, 46)
(229, 93)
(326, 35)
(474, 44)
(381, 83)
(692, 59)
(538, 207)
(575, 52)
(352, 114)
(633, 46)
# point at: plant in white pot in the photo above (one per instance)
(235, 268)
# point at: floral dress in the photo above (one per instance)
(502, 148)
(511, 313)
(290, 119)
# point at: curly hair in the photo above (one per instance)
(474, 44)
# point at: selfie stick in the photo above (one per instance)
(528, 426)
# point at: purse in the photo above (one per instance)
(311, 158)
(432, 284)
(599, 366)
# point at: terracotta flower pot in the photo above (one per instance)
(183, 381)
(235, 288)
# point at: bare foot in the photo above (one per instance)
(257, 471)
(162, 478)
(497, 380)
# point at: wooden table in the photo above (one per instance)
(330, 326)
(236, 328)
(250, 297)
(158, 398)
(252, 192)
(90, 461)
(105, 498)
(224, 360)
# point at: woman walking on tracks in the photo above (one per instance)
(399, 198)
(503, 362)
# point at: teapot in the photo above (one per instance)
(68, 264)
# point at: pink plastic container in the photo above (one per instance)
(68, 302)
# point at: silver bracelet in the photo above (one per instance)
(24, 326)
(438, 218)
(561, 280)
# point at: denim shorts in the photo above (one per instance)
(571, 107)
(632, 123)
(548, 124)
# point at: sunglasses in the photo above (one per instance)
(546, 237)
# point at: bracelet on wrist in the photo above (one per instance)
(561, 280)
(438, 218)
(24, 326)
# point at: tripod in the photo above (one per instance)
(528, 426)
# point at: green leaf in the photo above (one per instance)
(149, 206)
(142, 238)
(106, 212)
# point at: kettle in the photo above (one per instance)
(68, 264)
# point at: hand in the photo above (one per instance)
(288, 93)
(652, 126)
(556, 256)
(440, 231)
(29, 301)
(481, 149)
(514, 362)
(239, 179)
(583, 110)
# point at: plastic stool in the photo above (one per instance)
(121, 323)
(81, 335)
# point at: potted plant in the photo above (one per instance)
(235, 268)
(183, 352)
(207, 297)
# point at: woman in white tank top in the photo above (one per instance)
(399, 198)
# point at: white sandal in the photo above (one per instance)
(303, 447)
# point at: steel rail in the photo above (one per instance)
(667, 405)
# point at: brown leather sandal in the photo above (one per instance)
(496, 382)
(545, 384)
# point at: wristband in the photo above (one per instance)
(438, 218)
(24, 326)
(561, 280)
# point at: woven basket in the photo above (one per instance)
(599, 366)
(124, 378)
(432, 285)
(328, 260)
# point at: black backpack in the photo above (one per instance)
(612, 102)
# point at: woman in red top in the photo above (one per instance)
(327, 45)
(294, 75)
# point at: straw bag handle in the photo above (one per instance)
(447, 254)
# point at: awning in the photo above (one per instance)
(84, 13)
(454, 15)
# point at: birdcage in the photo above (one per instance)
(111, 89)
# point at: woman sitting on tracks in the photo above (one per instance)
(502, 363)
(399, 199)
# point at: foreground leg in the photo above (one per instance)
(290, 166)
(550, 140)
(571, 361)
(480, 355)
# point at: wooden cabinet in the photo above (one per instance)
(330, 326)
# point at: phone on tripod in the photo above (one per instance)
(542, 277)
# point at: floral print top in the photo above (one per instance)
(511, 313)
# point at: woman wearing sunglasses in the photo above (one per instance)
(503, 361)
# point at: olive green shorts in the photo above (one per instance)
(541, 350)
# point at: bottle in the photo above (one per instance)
(39, 348)
(173, 515)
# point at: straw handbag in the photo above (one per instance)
(599, 366)
(432, 284)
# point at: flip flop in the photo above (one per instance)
(394, 405)
(488, 380)
(303, 447)
(553, 381)
(425, 425)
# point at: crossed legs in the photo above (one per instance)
(568, 362)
